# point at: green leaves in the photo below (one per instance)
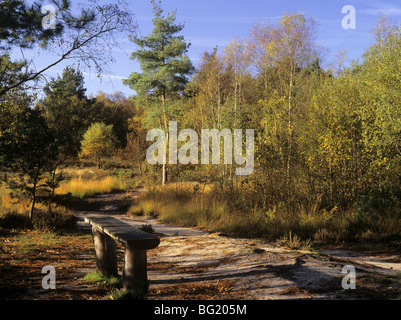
(66, 110)
(98, 142)
(163, 60)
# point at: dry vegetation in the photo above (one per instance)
(81, 188)
(26, 248)
(213, 208)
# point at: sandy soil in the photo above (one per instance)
(194, 264)
(249, 269)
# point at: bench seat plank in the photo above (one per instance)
(124, 232)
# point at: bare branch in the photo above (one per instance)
(86, 43)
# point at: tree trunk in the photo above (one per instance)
(164, 174)
(164, 169)
(289, 138)
(53, 187)
(33, 197)
(289, 131)
(33, 206)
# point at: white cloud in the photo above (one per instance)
(112, 76)
(104, 75)
(388, 9)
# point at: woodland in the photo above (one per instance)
(327, 134)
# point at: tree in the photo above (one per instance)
(237, 56)
(67, 113)
(66, 110)
(136, 147)
(165, 67)
(337, 156)
(280, 52)
(209, 91)
(381, 115)
(13, 107)
(115, 109)
(21, 25)
(99, 141)
(30, 154)
(83, 38)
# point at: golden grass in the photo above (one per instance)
(188, 204)
(209, 207)
(9, 203)
(81, 188)
(12, 204)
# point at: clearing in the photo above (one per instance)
(193, 264)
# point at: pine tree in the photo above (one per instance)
(165, 66)
(84, 37)
(66, 109)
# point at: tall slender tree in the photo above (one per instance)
(280, 52)
(165, 67)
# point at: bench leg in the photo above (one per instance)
(135, 272)
(106, 253)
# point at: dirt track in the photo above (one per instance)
(193, 264)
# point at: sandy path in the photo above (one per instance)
(193, 264)
(249, 269)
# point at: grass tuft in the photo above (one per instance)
(219, 210)
(101, 279)
(81, 188)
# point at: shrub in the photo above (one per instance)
(40, 220)
(147, 228)
(13, 220)
(135, 211)
(53, 222)
(377, 216)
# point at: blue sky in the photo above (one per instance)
(211, 23)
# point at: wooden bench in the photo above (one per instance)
(106, 231)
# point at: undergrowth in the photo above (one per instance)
(212, 208)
